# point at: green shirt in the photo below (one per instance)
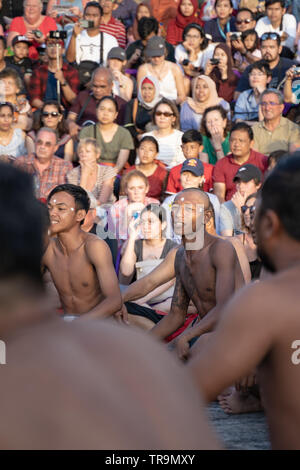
(109, 150)
(209, 149)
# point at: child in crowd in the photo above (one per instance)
(20, 47)
(251, 53)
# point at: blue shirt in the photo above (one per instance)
(51, 88)
(246, 107)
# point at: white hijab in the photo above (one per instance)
(157, 96)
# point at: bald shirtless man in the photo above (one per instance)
(60, 389)
(80, 263)
(206, 267)
(260, 326)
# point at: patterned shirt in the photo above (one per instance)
(115, 28)
(52, 176)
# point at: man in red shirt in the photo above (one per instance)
(241, 141)
(111, 25)
(191, 144)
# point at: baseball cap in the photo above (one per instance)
(155, 47)
(20, 38)
(247, 173)
(194, 165)
(116, 53)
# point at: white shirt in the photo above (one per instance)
(88, 48)
(289, 26)
(203, 56)
(170, 152)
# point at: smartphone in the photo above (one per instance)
(86, 24)
(214, 61)
(61, 35)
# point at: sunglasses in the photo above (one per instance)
(53, 114)
(247, 21)
(273, 36)
(245, 208)
(164, 113)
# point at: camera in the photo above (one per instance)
(37, 33)
(86, 24)
(296, 71)
(185, 62)
(235, 36)
(61, 35)
(214, 61)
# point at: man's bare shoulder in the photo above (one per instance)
(221, 248)
(94, 244)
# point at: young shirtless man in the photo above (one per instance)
(260, 326)
(80, 263)
(206, 273)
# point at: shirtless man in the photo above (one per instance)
(72, 400)
(260, 326)
(80, 263)
(205, 274)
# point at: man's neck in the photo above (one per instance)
(276, 24)
(105, 18)
(243, 159)
(52, 64)
(223, 21)
(93, 32)
(274, 63)
(42, 164)
(72, 240)
(272, 123)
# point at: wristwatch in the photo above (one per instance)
(64, 84)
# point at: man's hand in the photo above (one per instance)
(238, 200)
(183, 347)
(239, 46)
(77, 29)
(59, 75)
(122, 315)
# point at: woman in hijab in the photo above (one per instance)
(222, 72)
(204, 95)
(142, 10)
(187, 13)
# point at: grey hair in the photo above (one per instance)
(274, 92)
(40, 2)
(105, 71)
(47, 129)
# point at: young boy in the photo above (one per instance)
(20, 47)
(191, 147)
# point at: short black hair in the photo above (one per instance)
(82, 200)
(242, 126)
(277, 155)
(271, 2)
(191, 136)
(217, 1)
(199, 28)
(281, 193)
(148, 138)
(261, 65)
(110, 98)
(2, 38)
(21, 241)
(240, 10)
(95, 5)
(147, 26)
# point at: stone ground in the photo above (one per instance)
(240, 432)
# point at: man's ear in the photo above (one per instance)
(269, 79)
(251, 144)
(81, 215)
(270, 225)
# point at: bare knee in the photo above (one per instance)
(140, 322)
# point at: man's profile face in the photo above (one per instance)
(100, 86)
(244, 21)
(270, 50)
(62, 212)
(45, 146)
(240, 143)
(270, 106)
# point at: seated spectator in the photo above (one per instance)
(222, 73)
(191, 148)
(248, 180)
(215, 128)
(43, 83)
(141, 255)
(128, 208)
(76, 11)
(122, 85)
(204, 95)
(187, 13)
(4, 63)
(143, 10)
(125, 12)
(166, 119)
(138, 113)
(86, 43)
(168, 74)
(20, 59)
(51, 116)
(16, 95)
(274, 131)
(274, 158)
(12, 140)
(47, 169)
(114, 141)
(147, 28)
(250, 52)
(164, 10)
(84, 109)
(290, 92)
(224, 23)
(270, 51)
(111, 25)
(277, 20)
(157, 175)
(245, 20)
(241, 141)
(247, 105)
(28, 25)
(98, 179)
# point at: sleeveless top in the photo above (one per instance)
(167, 86)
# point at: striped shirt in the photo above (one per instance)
(116, 29)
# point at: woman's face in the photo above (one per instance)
(51, 116)
(221, 55)
(148, 92)
(223, 9)
(246, 214)
(159, 60)
(115, 64)
(136, 190)
(164, 117)
(215, 120)
(87, 154)
(32, 10)
(201, 91)
(186, 8)
(147, 152)
(106, 112)
(151, 226)
(10, 87)
(142, 11)
(6, 118)
(194, 38)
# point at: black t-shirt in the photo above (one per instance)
(24, 66)
(139, 45)
(278, 74)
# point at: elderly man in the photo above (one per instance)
(83, 110)
(274, 132)
(48, 170)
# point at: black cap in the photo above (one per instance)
(20, 38)
(247, 173)
(117, 53)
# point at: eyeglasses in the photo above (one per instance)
(269, 103)
(247, 21)
(273, 36)
(52, 114)
(251, 209)
(164, 113)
